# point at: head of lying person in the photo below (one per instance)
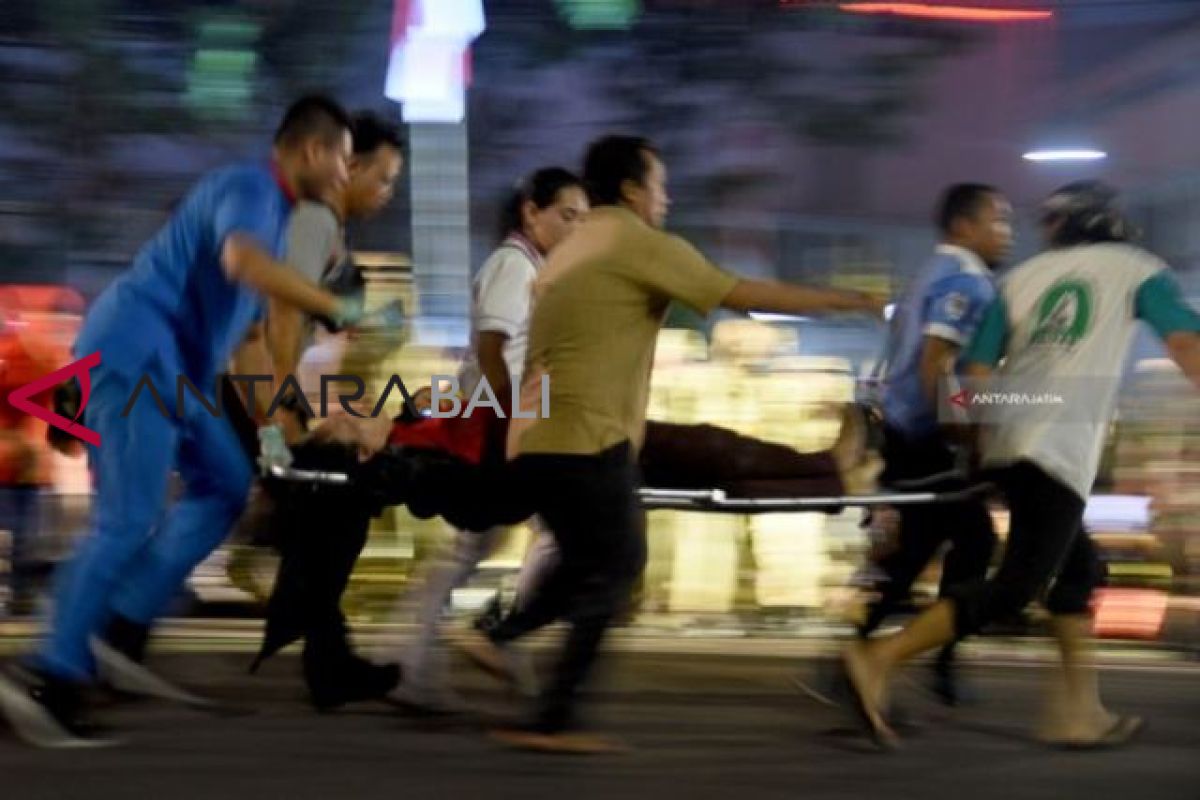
(544, 208)
(627, 171)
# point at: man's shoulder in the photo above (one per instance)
(1114, 259)
(241, 174)
(507, 259)
(1131, 256)
(251, 181)
(949, 273)
(308, 212)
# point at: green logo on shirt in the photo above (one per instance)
(1064, 314)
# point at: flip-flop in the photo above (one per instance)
(834, 694)
(1119, 734)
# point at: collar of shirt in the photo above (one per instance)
(971, 262)
(522, 243)
(614, 210)
(284, 186)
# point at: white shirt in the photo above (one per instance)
(1071, 318)
(501, 300)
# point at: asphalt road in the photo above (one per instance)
(701, 726)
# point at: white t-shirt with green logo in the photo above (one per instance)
(1062, 325)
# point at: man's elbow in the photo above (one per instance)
(744, 297)
(977, 370)
(254, 333)
(233, 261)
(237, 258)
(1184, 350)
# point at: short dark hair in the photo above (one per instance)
(372, 131)
(962, 201)
(612, 160)
(541, 188)
(312, 115)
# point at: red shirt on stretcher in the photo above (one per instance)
(673, 455)
(473, 439)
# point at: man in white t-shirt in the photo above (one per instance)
(1056, 338)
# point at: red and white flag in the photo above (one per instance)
(430, 65)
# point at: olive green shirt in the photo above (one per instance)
(599, 303)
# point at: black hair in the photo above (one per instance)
(612, 160)
(312, 115)
(540, 188)
(371, 131)
(1086, 212)
(962, 201)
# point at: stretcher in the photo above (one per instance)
(718, 501)
(945, 488)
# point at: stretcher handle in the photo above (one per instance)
(308, 476)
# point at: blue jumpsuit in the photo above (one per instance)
(173, 313)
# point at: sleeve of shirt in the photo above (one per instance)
(505, 293)
(955, 305)
(1160, 303)
(311, 239)
(990, 341)
(681, 272)
(243, 206)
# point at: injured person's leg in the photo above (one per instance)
(706, 456)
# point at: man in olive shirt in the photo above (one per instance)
(600, 302)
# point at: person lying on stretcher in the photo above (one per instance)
(673, 456)
(454, 467)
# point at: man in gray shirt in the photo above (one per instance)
(316, 240)
(307, 592)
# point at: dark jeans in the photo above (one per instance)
(320, 536)
(591, 506)
(706, 456)
(19, 515)
(1048, 553)
(966, 525)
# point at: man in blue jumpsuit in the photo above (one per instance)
(182, 309)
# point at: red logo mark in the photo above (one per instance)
(19, 398)
(961, 399)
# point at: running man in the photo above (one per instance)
(935, 319)
(308, 602)
(600, 302)
(1062, 325)
(188, 300)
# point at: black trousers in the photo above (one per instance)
(1048, 555)
(966, 525)
(704, 456)
(320, 536)
(591, 506)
